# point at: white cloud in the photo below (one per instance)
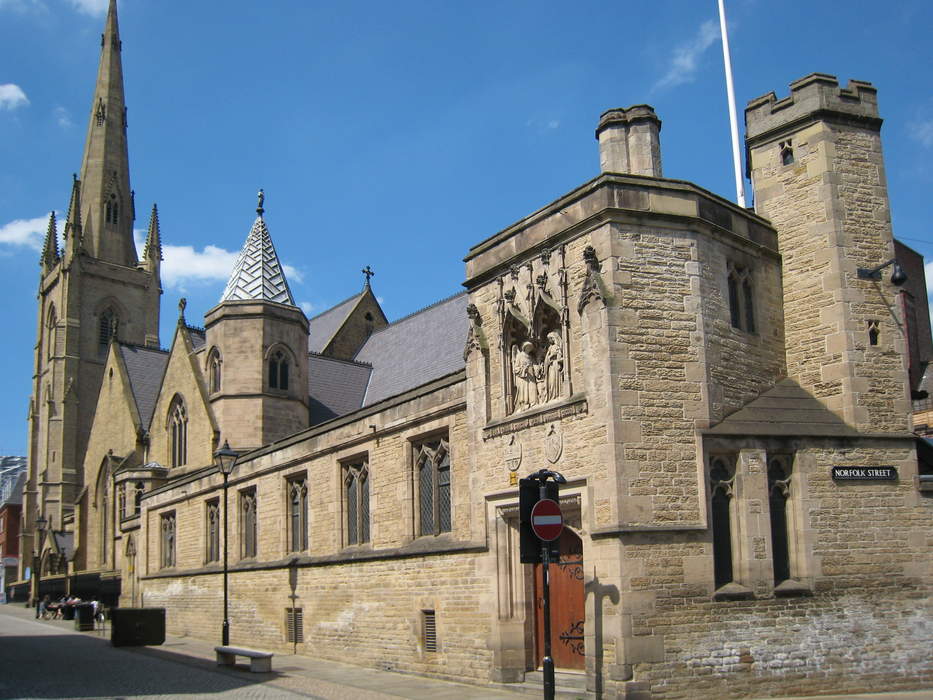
(684, 61)
(922, 131)
(25, 232)
(928, 273)
(183, 264)
(542, 126)
(90, 7)
(307, 307)
(12, 97)
(292, 274)
(62, 117)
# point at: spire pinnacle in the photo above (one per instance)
(262, 199)
(50, 254)
(153, 248)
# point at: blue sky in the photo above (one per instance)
(398, 134)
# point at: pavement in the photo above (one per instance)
(186, 667)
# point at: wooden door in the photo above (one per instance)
(566, 583)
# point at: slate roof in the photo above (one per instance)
(785, 409)
(145, 367)
(335, 387)
(16, 492)
(257, 272)
(198, 337)
(322, 327)
(416, 349)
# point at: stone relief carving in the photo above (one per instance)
(534, 333)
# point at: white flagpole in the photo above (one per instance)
(730, 92)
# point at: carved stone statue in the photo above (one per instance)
(526, 376)
(553, 367)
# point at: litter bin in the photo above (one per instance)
(68, 612)
(84, 617)
(137, 626)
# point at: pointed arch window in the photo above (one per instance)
(741, 298)
(51, 327)
(722, 480)
(112, 209)
(278, 371)
(168, 540)
(213, 371)
(103, 503)
(298, 514)
(356, 493)
(178, 431)
(248, 523)
(213, 531)
(138, 497)
(779, 483)
(432, 463)
(106, 329)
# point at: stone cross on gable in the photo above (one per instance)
(368, 271)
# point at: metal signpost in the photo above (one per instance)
(547, 522)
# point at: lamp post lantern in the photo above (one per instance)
(41, 522)
(225, 459)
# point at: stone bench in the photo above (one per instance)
(259, 661)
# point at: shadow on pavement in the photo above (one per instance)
(77, 666)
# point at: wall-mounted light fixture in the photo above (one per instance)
(898, 276)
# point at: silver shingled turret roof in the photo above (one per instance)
(257, 272)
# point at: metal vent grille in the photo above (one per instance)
(429, 630)
(294, 625)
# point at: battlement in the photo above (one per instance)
(813, 97)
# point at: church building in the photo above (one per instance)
(725, 391)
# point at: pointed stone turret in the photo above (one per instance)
(152, 253)
(50, 255)
(260, 336)
(106, 206)
(73, 232)
(257, 272)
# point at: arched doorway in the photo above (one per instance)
(567, 613)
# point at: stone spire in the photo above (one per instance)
(106, 202)
(257, 272)
(50, 256)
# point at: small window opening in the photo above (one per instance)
(278, 371)
(429, 630)
(778, 494)
(721, 480)
(787, 153)
(873, 332)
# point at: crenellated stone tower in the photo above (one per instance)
(92, 291)
(257, 349)
(818, 174)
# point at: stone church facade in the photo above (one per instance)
(726, 394)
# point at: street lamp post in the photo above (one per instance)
(37, 562)
(225, 459)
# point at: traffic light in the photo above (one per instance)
(529, 493)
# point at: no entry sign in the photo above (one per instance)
(547, 520)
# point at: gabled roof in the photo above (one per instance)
(257, 273)
(335, 387)
(784, 410)
(322, 327)
(144, 367)
(416, 349)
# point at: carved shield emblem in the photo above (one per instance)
(513, 454)
(553, 444)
